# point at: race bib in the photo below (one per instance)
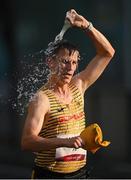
(69, 154)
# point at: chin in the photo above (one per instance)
(66, 81)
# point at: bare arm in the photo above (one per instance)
(38, 108)
(104, 52)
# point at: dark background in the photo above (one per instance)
(27, 26)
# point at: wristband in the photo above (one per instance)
(89, 27)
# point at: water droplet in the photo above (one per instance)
(34, 74)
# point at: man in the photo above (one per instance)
(56, 114)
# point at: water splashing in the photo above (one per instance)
(66, 26)
(34, 74)
(53, 45)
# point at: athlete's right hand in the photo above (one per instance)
(75, 142)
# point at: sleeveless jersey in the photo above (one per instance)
(64, 121)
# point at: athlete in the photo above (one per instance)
(56, 116)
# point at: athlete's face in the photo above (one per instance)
(64, 65)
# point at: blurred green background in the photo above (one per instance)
(26, 27)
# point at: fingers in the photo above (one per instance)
(70, 15)
(78, 142)
(72, 11)
(75, 142)
(76, 19)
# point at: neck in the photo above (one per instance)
(61, 90)
(58, 87)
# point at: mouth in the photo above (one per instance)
(67, 74)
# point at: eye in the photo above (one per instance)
(65, 61)
(74, 62)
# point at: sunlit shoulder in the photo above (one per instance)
(39, 100)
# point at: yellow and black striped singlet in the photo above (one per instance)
(63, 121)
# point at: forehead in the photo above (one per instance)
(64, 52)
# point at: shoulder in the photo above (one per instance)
(39, 101)
(39, 97)
(77, 81)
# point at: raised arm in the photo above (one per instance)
(104, 51)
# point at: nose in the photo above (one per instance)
(69, 66)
